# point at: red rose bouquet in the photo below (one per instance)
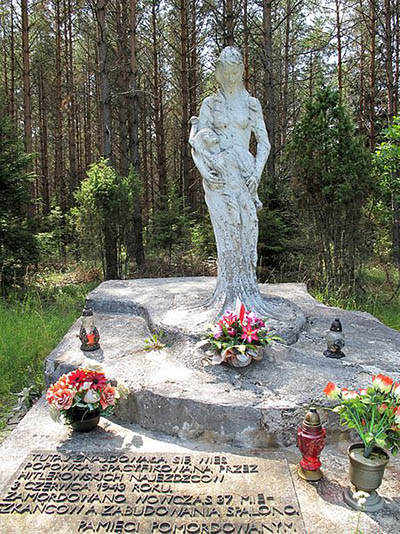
(80, 392)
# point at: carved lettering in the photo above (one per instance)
(143, 493)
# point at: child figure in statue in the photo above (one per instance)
(220, 162)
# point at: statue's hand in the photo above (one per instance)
(214, 181)
(252, 184)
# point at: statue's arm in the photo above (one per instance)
(261, 135)
(206, 119)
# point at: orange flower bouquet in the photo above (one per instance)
(81, 394)
(374, 412)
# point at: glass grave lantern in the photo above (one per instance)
(88, 334)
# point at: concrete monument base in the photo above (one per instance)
(177, 391)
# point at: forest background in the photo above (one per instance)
(96, 175)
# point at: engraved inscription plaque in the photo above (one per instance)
(150, 494)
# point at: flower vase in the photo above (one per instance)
(83, 420)
(366, 475)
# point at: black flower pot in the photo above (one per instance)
(83, 420)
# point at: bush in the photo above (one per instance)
(17, 242)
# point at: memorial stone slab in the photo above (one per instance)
(199, 493)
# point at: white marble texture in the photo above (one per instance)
(220, 139)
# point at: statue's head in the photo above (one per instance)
(204, 140)
(229, 67)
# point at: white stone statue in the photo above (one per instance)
(220, 139)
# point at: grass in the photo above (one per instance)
(376, 297)
(31, 325)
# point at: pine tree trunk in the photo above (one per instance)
(229, 23)
(72, 149)
(44, 157)
(269, 84)
(158, 114)
(104, 80)
(185, 156)
(59, 179)
(27, 95)
(285, 88)
(339, 49)
(109, 231)
(134, 136)
(372, 74)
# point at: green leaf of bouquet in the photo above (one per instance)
(381, 442)
(369, 437)
(241, 348)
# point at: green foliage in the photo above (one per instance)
(29, 329)
(169, 224)
(374, 412)
(50, 238)
(386, 210)
(387, 158)
(377, 298)
(17, 242)
(332, 179)
(154, 342)
(104, 208)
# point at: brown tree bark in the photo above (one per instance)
(138, 250)
(109, 231)
(26, 78)
(339, 48)
(87, 119)
(269, 84)
(372, 74)
(246, 77)
(59, 177)
(229, 23)
(285, 87)
(388, 39)
(71, 106)
(27, 97)
(362, 92)
(158, 112)
(44, 156)
(185, 156)
(102, 47)
(12, 65)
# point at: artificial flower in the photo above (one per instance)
(237, 336)
(108, 396)
(382, 383)
(374, 412)
(349, 394)
(77, 378)
(81, 389)
(250, 334)
(63, 399)
(331, 390)
(396, 390)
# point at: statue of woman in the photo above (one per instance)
(220, 139)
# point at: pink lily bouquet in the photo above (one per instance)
(79, 393)
(237, 337)
(374, 412)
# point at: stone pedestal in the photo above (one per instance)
(177, 391)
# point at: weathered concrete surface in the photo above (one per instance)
(177, 391)
(321, 504)
(177, 305)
